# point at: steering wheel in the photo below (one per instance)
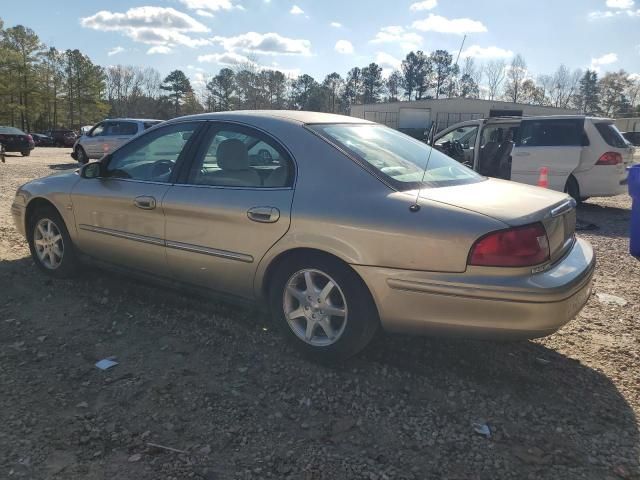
(161, 167)
(455, 147)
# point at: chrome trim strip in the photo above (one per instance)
(565, 207)
(119, 234)
(187, 247)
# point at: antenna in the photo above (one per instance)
(415, 207)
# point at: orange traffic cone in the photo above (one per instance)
(543, 179)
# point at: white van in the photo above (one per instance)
(585, 156)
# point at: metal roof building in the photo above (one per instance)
(418, 115)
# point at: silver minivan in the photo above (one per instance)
(108, 135)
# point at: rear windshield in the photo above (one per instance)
(150, 124)
(399, 158)
(610, 133)
(11, 131)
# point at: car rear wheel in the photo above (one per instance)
(323, 307)
(81, 155)
(573, 189)
(50, 244)
(26, 153)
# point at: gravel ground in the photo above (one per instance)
(215, 383)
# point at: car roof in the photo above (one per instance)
(132, 120)
(290, 116)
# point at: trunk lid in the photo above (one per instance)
(515, 204)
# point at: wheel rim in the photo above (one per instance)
(315, 307)
(48, 243)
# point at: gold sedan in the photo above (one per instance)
(339, 225)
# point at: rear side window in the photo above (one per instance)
(551, 133)
(610, 133)
(122, 128)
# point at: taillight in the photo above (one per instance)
(30, 138)
(610, 158)
(515, 247)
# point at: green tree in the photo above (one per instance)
(468, 87)
(178, 86)
(302, 92)
(393, 85)
(443, 69)
(516, 75)
(416, 71)
(589, 96)
(613, 99)
(221, 89)
(372, 84)
(352, 94)
(334, 85)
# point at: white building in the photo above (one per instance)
(416, 116)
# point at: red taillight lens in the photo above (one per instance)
(30, 138)
(610, 158)
(515, 247)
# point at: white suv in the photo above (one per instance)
(107, 135)
(585, 156)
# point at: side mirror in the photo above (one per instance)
(91, 170)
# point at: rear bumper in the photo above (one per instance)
(525, 306)
(603, 181)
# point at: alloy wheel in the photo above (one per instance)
(315, 307)
(48, 243)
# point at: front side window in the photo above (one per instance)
(98, 130)
(153, 156)
(465, 136)
(551, 133)
(398, 157)
(240, 157)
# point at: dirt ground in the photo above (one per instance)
(215, 383)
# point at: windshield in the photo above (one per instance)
(400, 158)
(11, 131)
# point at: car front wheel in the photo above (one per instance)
(323, 307)
(26, 153)
(81, 155)
(50, 244)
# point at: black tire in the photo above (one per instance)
(573, 189)
(81, 155)
(362, 321)
(69, 261)
(26, 153)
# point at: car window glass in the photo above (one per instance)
(238, 157)
(399, 157)
(497, 133)
(121, 129)
(466, 136)
(98, 130)
(146, 125)
(551, 133)
(610, 133)
(153, 156)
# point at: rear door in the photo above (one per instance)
(92, 141)
(229, 209)
(118, 133)
(555, 143)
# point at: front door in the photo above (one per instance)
(92, 142)
(232, 207)
(555, 143)
(119, 216)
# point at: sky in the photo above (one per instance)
(321, 36)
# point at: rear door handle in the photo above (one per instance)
(145, 202)
(264, 214)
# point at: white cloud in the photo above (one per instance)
(265, 43)
(599, 14)
(296, 10)
(622, 4)
(204, 13)
(606, 59)
(439, 24)
(476, 51)
(210, 5)
(336, 24)
(226, 58)
(424, 5)
(397, 34)
(388, 61)
(115, 51)
(344, 47)
(161, 49)
(150, 25)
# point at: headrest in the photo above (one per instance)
(232, 155)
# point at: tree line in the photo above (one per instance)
(42, 87)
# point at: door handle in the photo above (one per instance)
(521, 154)
(264, 214)
(145, 202)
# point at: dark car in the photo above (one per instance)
(42, 140)
(633, 138)
(15, 140)
(62, 137)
